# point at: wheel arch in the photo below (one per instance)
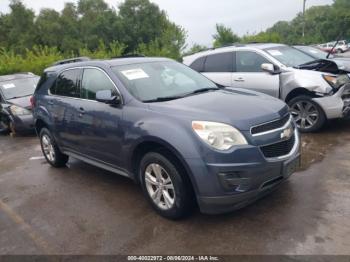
(160, 146)
(40, 124)
(300, 91)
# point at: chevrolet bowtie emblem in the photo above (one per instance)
(287, 133)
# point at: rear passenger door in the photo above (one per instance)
(63, 104)
(250, 75)
(219, 68)
(100, 123)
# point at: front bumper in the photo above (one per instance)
(240, 178)
(337, 105)
(266, 179)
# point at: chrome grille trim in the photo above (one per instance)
(272, 130)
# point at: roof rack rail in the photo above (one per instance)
(72, 60)
(24, 73)
(233, 44)
(214, 48)
(130, 55)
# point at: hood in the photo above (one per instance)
(21, 102)
(333, 66)
(237, 107)
(343, 63)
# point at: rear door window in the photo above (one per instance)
(67, 84)
(222, 62)
(247, 61)
(198, 64)
(95, 80)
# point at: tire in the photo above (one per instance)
(310, 117)
(175, 196)
(50, 149)
(4, 126)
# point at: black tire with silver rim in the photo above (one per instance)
(50, 150)
(165, 185)
(307, 114)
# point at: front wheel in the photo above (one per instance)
(307, 114)
(165, 186)
(4, 125)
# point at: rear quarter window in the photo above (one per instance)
(198, 64)
(42, 82)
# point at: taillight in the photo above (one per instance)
(32, 102)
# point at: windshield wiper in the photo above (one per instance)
(162, 99)
(309, 63)
(15, 97)
(168, 98)
(202, 90)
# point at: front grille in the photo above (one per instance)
(271, 125)
(278, 149)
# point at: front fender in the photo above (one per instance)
(309, 80)
(164, 131)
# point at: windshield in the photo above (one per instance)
(18, 87)
(314, 52)
(154, 80)
(289, 56)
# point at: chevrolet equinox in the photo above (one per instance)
(185, 140)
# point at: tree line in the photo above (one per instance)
(90, 28)
(30, 42)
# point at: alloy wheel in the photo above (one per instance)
(305, 114)
(159, 186)
(48, 148)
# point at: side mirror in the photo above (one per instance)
(105, 96)
(270, 68)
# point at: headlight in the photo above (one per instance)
(217, 135)
(16, 110)
(337, 81)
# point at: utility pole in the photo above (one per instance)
(304, 20)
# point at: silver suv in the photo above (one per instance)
(315, 90)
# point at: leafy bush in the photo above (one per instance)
(34, 60)
(41, 57)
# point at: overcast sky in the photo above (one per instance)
(199, 17)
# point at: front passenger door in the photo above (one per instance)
(250, 75)
(100, 122)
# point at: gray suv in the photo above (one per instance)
(315, 90)
(170, 129)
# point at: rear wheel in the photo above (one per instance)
(165, 186)
(307, 114)
(50, 149)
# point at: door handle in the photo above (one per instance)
(239, 79)
(81, 112)
(50, 102)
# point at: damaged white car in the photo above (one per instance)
(315, 90)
